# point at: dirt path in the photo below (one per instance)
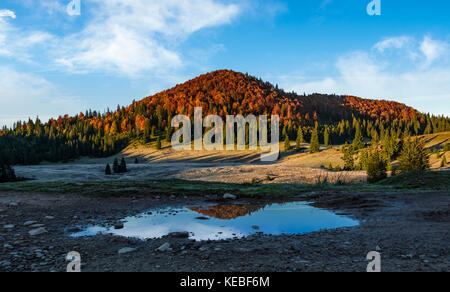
(411, 229)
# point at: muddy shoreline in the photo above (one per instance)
(411, 229)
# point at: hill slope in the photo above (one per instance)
(227, 92)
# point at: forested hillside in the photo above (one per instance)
(223, 92)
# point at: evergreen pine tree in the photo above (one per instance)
(315, 145)
(364, 160)
(414, 156)
(158, 144)
(300, 138)
(169, 132)
(376, 168)
(108, 170)
(123, 166)
(116, 166)
(444, 161)
(147, 134)
(358, 141)
(326, 137)
(287, 144)
(349, 161)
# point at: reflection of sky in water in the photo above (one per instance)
(286, 218)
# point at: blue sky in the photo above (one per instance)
(53, 63)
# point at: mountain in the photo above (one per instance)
(227, 92)
(222, 92)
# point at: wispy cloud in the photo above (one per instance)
(27, 95)
(422, 82)
(433, 49)
(393, 43)
(127, 37)
(7, 13)
(135, 36)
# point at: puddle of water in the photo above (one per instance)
(218, 222)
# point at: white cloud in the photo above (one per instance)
(27, 95)
(128, 37)
(432, 49)
(135, 36)
(392, 43)
(372, 75)
(16, 43)
(7, 13)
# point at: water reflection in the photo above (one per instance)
(227, 221)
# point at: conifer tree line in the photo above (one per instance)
(101, 136)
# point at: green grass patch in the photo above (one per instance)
(435, 180)
(430, 180)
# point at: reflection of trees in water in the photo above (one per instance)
(227, 212)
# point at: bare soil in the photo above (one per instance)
(411, 230)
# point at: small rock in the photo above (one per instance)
(8, 226)
(118, 226)
(255, 227)
(38, 231)
(13, 204)
(229, 196)
(165, 247)
(126, 250)
(74, 230)
(8, 246)
(407, 256)
(5, 264)
(28, 223)
(202, 218)
(179, 234)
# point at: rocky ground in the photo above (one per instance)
(411, 230)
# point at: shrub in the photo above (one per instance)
(7, 173)
(376, 167)
(444, 161)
